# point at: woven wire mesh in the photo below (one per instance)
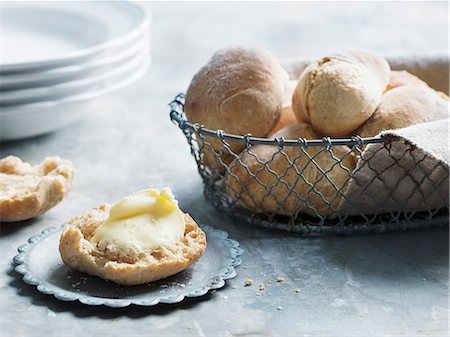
(302, 185)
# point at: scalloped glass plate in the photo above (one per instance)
(40, 264)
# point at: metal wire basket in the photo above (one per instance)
(311, 193)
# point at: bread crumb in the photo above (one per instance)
(279, 308)
(69, 277)
(248, 282)
(269, 282)
(258, 294)
(233, 287)
(262, 286)
(280, 279)
(297, 290)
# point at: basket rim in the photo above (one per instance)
(178, 117)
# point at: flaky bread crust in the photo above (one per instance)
(28, 191)
(405, 106)
(240, 90)
(139, 268)
(337, 93)
(321, 200)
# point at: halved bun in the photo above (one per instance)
(28, 191)
(133, 268)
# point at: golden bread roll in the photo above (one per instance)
(240, 90)
(287, 114)
(28, 191)
(337, 93)
(404, 106)
(322, 195)
(109, 263)
(401, 78)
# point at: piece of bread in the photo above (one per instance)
(311, 193)
(287, 114)
(404, 106)
(28, 191)
(240, 90)
(134, 268)
(402, 78)
(337, 93)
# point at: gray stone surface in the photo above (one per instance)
(391, 284)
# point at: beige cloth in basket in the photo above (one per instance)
(410, 171)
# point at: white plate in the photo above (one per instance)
(58, 91)
(71, 72)
(40, 118)
(38, 35)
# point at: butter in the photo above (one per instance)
(142, 221)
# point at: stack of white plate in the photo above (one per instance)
(57, 57)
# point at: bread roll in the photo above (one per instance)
(312, 193)
(287, 114)
(404, 106)
(240, 90)
(336, 94)
(401, 78)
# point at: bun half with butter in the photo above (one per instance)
(142, 238)
(240, 90)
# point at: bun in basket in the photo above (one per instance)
(240, 90)
(337, 93)
(28, 191)
(136, 268)
(404, 106)
(311, 193)
(402, 78)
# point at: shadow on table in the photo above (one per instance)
(8, 228)
(81, 310)
(397, 255)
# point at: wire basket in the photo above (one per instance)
(303, 185)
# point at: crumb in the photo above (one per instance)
(262, 286)
(83, 278)
(258, 294)
(269, 282)
(233, 287)
(248, 282)
(163, 286)
(244, 266)
(69, 277)
(279, 308)
(78, 283)
(280, 279)
(297, 290)
(74, 285)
